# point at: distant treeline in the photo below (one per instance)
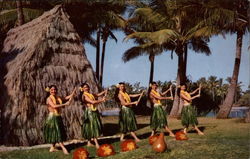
(213, 94)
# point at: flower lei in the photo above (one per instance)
(126, 96)
(92, 106)
(55, 99)
(157, 94)
(185, 93)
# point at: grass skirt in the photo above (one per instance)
(188, 116)
(92, 125)
(158, 118)
(127, 120)
(53, 130)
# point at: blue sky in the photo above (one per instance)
(219, 63)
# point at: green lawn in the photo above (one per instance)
(229, 139)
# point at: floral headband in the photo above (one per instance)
(81, 89)
(47, 89)
(117, 85)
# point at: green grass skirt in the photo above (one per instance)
(127, 120)
(188, 116)
(92, 125)
(53, 129)
(158, 118)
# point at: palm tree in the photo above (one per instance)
(97, 62)
(239, 25)
(173, 28)
(151, 51)
(20, 19)
(134, 25)
(213, 83)
(152, 62)
(113, 22)
(97, 17)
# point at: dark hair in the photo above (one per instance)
(48, 92)
(81, 92)
(150, 88)
(117, 92)
(179, 88)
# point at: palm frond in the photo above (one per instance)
(199, 45)
(150, 20)
(111, 34)
(158, 37)
(114, 20)
(30, 14)
(89, 39)
(150, 49)
(203, 32)
(8, 16)
(132, 53)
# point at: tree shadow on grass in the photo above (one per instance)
(202, 128)
(148, 134)
(73, 146)
(110, 129)
(240, 120)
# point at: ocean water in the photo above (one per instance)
(236, 112)
(111, 112)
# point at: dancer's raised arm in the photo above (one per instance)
(103, 93)
(134, 95)
(69, 97)
(158, 97)
(164, 93)
(91, 101)
(196, 90)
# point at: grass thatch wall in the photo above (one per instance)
(44, 51)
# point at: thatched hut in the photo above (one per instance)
(44, 51)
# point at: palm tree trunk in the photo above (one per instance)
(247, 119)
(152, 61)
(98, 36)
(102, 58)
(185, 61)
(228, 103)
(181, 78)
(20, 16)
(175, 108)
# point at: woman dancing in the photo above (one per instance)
(54, 131)
(92, 126)
(188, 113)
(159, 116)
(127, 120)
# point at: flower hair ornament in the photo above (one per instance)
(117, 85)
(47, 89)
(150, 85)
(81, 89)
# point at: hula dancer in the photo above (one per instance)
(159, 116)
(54, 131)
(188, 113)
(127, 120)
(92, 126)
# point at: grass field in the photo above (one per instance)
(224, 139)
